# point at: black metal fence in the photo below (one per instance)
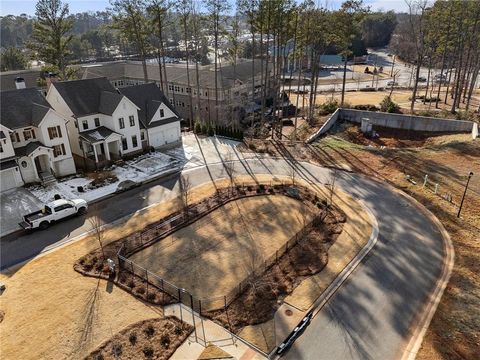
(135, 243)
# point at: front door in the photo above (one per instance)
(38, 165)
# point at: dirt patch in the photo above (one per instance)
(211, 256)
(387, 137)
(148, 339)
(260, 300)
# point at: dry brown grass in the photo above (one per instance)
(214, 254)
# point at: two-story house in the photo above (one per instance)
(104, 123)
(34, 145)
(159, 121)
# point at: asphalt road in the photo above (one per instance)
(370, 316)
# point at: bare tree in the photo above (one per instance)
(292, 174)
(229, 165)
(185, 192)
(96, 226)
(331, 186)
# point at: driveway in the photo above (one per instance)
(14, 204)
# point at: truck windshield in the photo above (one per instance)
(47, 210)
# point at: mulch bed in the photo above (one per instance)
(148, 339)
(259, 302)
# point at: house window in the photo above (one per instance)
(85, 124)
(14, 137)
(121, 123)
(134, 141)
(1, 146)
(59, 150)
(171, 101)
(170, 87)
(162, 113)
(124, 144)
(177, 88)
(132, 120)
(97, 122)
(80, 144)
(188, 90)
(54, 132)
(142, 135)
(29, 134)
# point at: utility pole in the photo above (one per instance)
(464, 193)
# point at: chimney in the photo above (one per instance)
(50, 78)
(20, 83)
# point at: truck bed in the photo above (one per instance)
(35, 216)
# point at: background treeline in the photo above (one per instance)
(445, 36)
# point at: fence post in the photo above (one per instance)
(146, 277)
(200, 306)
(425, 181)
(436, 188)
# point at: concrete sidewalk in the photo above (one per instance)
(207, 332)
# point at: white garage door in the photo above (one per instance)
(7, 179)
(160, 138)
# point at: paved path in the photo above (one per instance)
(370, 315)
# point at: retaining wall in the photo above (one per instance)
(407, 122)
(397, 121)
(325, 127)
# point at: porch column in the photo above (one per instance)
(107, 150)
(95, 152)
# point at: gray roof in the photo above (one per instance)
(7, 164)
(164, 121)
(29, 148)
(7, 78)
(96, 135)
(23, 107)
(89, 96)
(176, 73)
(148, 97)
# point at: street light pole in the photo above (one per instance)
(464, 193)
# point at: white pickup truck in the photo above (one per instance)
(52, 212)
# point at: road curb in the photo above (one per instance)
(425, 316)
(351, 266)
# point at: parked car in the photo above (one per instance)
(53, 212)
(392, 83)
(422, 79)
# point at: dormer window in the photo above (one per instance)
(131, 119)
(85, 124)
(97, 122)
(15, 137)
(29, 134)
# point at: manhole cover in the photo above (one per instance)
(288, 312)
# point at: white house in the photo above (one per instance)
(34, 145)
(159, 122)
(104, 124)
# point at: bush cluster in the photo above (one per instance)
(387, 105)
(210, 130)
(329, 107)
